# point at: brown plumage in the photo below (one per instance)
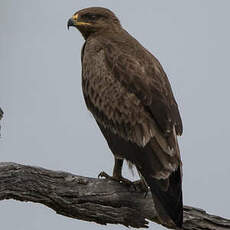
(129, 95)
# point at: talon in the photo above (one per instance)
(119, 179)
(103, 174)
(99, 175)
(125, 181)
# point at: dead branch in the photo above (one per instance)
(90, 199)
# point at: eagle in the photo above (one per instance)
(129, 95)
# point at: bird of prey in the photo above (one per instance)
(130, 97)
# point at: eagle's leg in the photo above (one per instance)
(117, 175)
(117, 169)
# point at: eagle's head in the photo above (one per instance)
(92, 20)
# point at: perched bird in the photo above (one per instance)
(130, 97)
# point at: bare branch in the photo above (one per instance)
(90, 199)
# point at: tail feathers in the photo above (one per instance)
(167, 196)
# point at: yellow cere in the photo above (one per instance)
(75, 16)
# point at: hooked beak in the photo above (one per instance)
(73, 21)
(70, 23)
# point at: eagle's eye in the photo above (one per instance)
(91, 17)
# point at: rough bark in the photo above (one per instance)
(90, 199)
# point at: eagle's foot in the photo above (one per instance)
(141, 186)
(119, 179)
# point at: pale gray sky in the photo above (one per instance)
(46, 122)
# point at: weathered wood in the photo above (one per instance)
(89, 199)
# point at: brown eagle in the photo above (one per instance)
(130, 97)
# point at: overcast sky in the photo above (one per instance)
(47, 124)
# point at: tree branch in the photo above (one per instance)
(89, 199)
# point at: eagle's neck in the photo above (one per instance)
(106, 31)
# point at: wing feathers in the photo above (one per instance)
(122, 110)
(151, 86)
